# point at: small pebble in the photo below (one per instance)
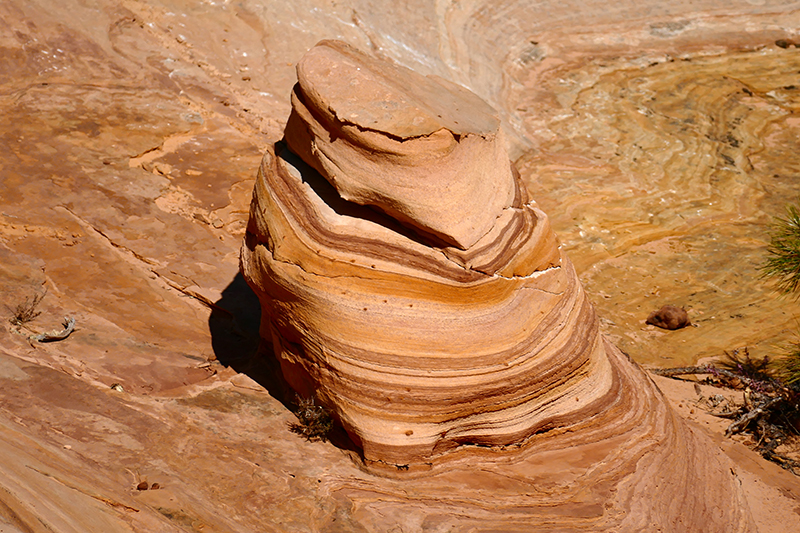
(669, 317)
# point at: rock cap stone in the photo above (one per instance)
(425, 151)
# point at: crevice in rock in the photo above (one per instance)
(532, 275)
(143, 262)
(110, 241)
(168, 145)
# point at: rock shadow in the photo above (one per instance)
(234, 325)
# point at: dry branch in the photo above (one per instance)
(56, 335)
(687, 370)
(750, 415)
(768, 414)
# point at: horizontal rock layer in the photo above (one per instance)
(634, 465)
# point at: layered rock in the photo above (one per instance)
(426, 152)
(442, 340)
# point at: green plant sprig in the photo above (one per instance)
(783, 265)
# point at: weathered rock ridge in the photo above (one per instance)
(431, 355)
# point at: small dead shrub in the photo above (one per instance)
(739, 362)
(26, 311)
(314, 421)
(770, 412)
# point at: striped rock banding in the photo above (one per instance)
(438, 344)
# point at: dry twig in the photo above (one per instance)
(56, 335)
(695, 370)
(750, 415)
(26, 311)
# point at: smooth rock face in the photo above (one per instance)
(425, 151)
(390, 329)
(431, 363)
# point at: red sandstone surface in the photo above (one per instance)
(131, 140)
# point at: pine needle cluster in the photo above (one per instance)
(788, 366)
(783, 264)
(783, 268)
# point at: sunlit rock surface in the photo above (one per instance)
(690, 158)
(421, 347)
(428, 153)
(128, 149)
(426, 361)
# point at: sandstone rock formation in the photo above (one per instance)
(426, 153)
(444, 336)
(131, 135)
(432, 355)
